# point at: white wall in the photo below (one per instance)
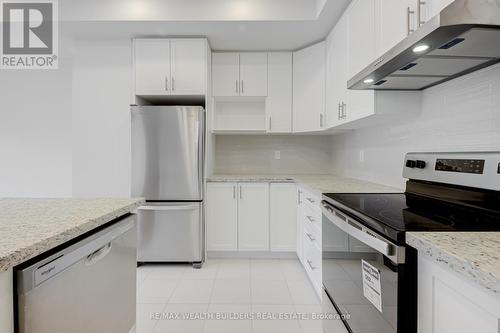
(35, 131)
(460, 115)
(254, 154)
(102, 83)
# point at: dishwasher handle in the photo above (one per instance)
(96, 256)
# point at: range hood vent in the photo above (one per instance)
(463, 38)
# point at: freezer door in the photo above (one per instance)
(170, 232)
(167, 152)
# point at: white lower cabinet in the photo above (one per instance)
(222, 214)
(447, 303)
(283, 216)
(253, 216)
(309, 238)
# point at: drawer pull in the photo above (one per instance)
(309, 262)
(310, 237)
(310, 218)
(311, 200)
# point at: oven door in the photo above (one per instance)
(347, 245)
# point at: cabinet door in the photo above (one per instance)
(283, 213)
(300, 225)
(394, 23)
(362, 51)
(152, 66)
(188, 65)
(336, 72)
(362, 35)
(222, 217)
(226, 74)
(279, 97)
(253, 74)
(309, 88)
(253, 217)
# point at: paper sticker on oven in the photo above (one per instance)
(371, 284)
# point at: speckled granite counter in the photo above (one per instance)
(317, 183)
(29, 227)
(474, 255)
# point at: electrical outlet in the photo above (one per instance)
(362, 156)
(277, 154)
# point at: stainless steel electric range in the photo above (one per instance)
(369, 273)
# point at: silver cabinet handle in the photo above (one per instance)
(409, 13)
(241, 193)
(173, 83)
(242, 87)
(236, 85)
(321, 120)
(166, 83)
(310, 219)
(311, 200)
(420, 22)
(270, 124)
(344, 110)
(234, 192)
(298, 197)
(309, 262)
(311, 237)
(338, 111)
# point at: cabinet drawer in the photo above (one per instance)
(307, 198)
(311, 216)
(312, 233)
(312, 262)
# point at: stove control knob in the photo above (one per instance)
(411, 164)
(421, 164)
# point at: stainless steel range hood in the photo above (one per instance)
(463, 38)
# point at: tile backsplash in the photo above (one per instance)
(460, 115)
(255, 154)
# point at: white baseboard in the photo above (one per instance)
(251, 255)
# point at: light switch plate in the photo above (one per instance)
(277, 154)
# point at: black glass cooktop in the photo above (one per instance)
(393, 214)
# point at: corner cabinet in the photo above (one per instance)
(165, 67)
(251, 217)
(309, 88)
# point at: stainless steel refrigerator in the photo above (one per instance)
(168, 154)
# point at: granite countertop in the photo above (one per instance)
(317, 183)
(29, 227)
(474, 255)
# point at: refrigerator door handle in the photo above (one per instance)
(184, 207)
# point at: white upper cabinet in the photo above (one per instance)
(226, 74)
(279, 98)
(337, 44)
(283, 213)
(188, 63)
(362, 35)
(170, 66)
(253, 74)
(396, 20)
(309, 88)
(152, 66)
(253, 217)
(239, 74)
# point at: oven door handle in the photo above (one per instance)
(358, 231)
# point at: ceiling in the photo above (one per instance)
(228, 24)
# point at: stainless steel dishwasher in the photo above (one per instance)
(87, 287)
